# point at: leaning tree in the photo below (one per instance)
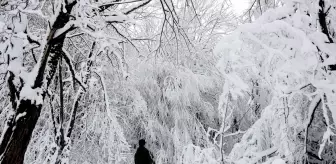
(31, 56)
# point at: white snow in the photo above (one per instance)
(239, 6)
(20, 115)
(2, 25)
(34, 95)
(69, 25)
(279, 161)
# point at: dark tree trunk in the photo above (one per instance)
(322, 14)
(20, 126)
(20, 134)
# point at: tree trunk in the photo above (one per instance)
(16, 136)
(20, 132)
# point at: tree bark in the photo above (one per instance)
(20, 134)
(20, 126)
(322, 14)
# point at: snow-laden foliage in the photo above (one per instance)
(82, 81)
(36, 36)
(170, 107)
(71, 95)
(290, 51)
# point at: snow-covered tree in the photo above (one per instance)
(290, 51)
(78, 86)
(33, 44)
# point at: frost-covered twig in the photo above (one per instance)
(129, 41)
(107, 102)
(72, 70)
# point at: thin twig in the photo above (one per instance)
(125, 37)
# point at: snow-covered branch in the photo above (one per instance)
(75, 78)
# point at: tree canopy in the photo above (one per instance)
(82, 81)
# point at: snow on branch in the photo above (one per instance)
(67, 59)
(68, 27)
(103, 7)
(74, 35)
(32, 39)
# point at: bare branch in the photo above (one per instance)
(106, 6)
(137, 7)
(125, 38)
